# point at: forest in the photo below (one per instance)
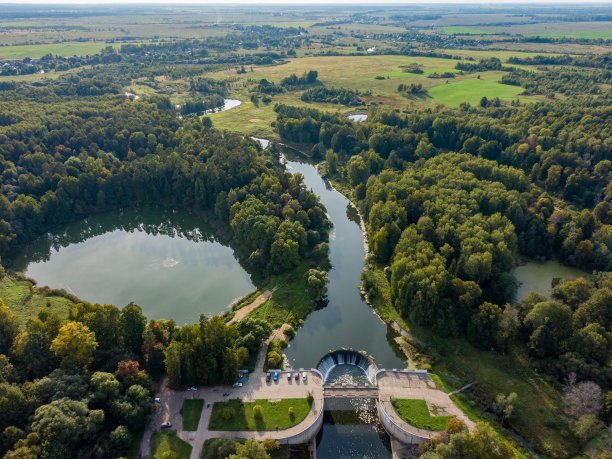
(486, 145)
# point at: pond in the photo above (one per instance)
(358, 117)
(538, 277)
(169, 263)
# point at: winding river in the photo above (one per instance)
(350, 427)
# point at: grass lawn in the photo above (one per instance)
(471, 90)
(416, 413)
(275, 415)
(192, 409)
(163, 442)
(22, 298)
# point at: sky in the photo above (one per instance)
(304, 2)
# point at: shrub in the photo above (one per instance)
(228, 413)
(291, 412)
(271, 445)
(258, 412)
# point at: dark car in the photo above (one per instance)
(268, 377)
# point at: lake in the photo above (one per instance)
(169, 263)
(538, 277)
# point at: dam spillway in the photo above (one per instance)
(347, 357)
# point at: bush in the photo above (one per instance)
(291, 412)
(228, 413)
(586, 428)
(271, 445)
(274, 359)
(290, 332)
(258, 412)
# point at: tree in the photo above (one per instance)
(67, 421)
(587, 427)
(582, 398)
(74, 345)
(316, 281)
(132, 323)
(9, 328)
(485, 325)
(250, 449)
(258, 412)
(505, 406)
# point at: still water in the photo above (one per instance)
(169, 263)
(346, 321)
(538, 277)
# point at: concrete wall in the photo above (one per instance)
(307, 434)
(396, 431)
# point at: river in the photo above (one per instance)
(350, 427)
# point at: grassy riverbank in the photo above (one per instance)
(26, 301)
(539, 414)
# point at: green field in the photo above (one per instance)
(192, 409)
(163, 444)
(473, 89)
(60, 49)
(416, 413)
(586, 34)
(26, 302)
(462, 30)
(275, 415)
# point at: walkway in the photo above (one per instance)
(417, 386)
(246, 310)
(256, 388)
(331, 391)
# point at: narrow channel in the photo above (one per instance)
(350, 427)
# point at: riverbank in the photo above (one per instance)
(457, 362)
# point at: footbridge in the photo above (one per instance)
(349, 391)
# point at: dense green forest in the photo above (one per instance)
(452, 197)
(82, 386)
(487, 142)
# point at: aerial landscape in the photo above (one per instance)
(297, 230)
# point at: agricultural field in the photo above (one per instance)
(60, 49)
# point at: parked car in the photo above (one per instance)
(304, 376)
(289, 376)
(268, 377)
(166, 425)
(192, 388)
(237, 384)
(156, 400)
(297, 376)
(276, 376)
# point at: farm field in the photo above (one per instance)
(462, 30)
(60, 49)
(473, 89)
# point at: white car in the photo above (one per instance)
(192, 388)
(156, 400)
(304, 375)
(238, 384)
